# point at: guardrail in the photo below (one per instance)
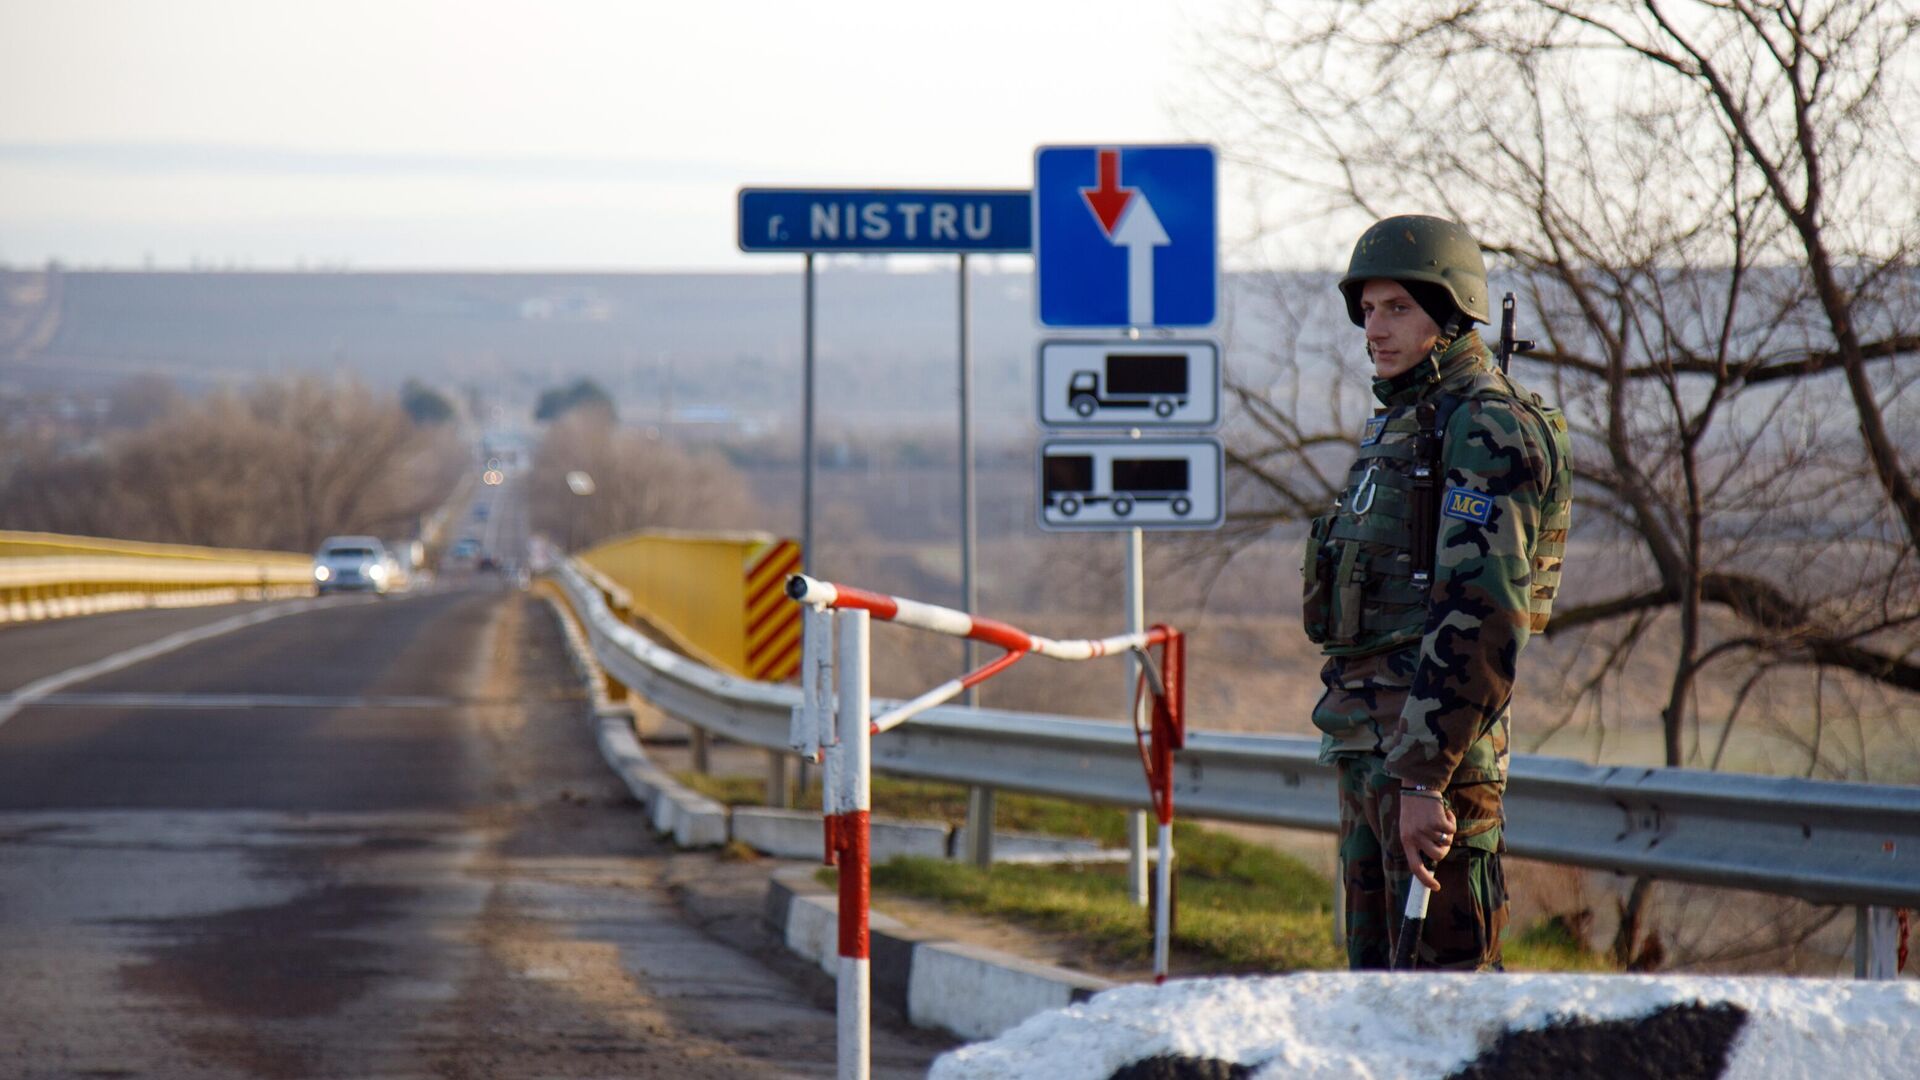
(43, 575)
(1824, 842)
(715, 595)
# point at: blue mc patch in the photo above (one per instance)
(1468, 505)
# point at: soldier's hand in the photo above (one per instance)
(1426, 834)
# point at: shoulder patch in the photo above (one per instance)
(1467, 505)
(1371, 433)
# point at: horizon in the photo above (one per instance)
(577, 136)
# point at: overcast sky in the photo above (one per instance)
(552, 135)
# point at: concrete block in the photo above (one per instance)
(789, 834)
(813, 929)
(798, 834)
(664, 812)
(807, 914)
(890, 837)
(700, 821)
(1029, 847)
(623, 754)
(977, 993)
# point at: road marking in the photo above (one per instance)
(235, 701)
(34, 691)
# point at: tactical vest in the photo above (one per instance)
(1363, 591)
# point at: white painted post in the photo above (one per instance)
(1163, 910)
(854, 802)
(1136, 601)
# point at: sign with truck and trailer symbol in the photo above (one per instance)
(1129, 384)
(1099, 484)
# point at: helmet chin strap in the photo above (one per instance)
(1448, 334)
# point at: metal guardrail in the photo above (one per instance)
(1825, 842)
(43, 575)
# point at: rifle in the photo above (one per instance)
(1508, 343)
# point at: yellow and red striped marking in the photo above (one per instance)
(773, 624)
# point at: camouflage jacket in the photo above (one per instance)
(1425, 677)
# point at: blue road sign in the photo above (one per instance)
(881, 221)
(1125, 235)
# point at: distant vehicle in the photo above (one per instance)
(464, 549)
(1133, 381)
(353, 563)
(480, 511)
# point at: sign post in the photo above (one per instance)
(879, 221)
(1126, 237)
(882, 221)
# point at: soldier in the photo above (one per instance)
(1437, 561)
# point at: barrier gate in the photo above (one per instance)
(834, 726)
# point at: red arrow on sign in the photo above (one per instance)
(1109, 200)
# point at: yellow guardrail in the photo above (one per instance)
(46, 575)
(719, 596)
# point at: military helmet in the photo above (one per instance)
(1415, 247)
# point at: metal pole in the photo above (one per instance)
(1876, 943)
(979, 799)
(1862, 945)
(806, 427)
(855, 985)
(1136, 599)
(971, 599)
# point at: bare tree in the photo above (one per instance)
(1709, 206)
(280, 465)
(638, 482)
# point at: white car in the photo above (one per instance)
(352, 563)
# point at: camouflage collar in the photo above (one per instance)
(1466, 354)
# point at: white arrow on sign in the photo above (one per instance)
(1140, 232)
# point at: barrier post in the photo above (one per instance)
(849, 761)
(1167, 733)
(853, 805)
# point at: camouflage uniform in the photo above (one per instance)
(1419, 679)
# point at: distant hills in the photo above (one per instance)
(705, 348)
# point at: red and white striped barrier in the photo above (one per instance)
(1017, 642)
(834, 725)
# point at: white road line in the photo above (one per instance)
(34, 691)
(231, 701)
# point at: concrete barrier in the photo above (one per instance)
(968, 990)
(977, 993)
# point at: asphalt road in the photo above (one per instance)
(369, 839)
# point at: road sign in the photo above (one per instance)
(1108, 484)
(1129, 384)
(1125, 235)
(878, 221)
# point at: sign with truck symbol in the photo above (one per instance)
(1129, 384)
(1088, 484)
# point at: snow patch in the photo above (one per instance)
(1376, 1026)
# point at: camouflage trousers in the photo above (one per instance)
(1464, 919)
